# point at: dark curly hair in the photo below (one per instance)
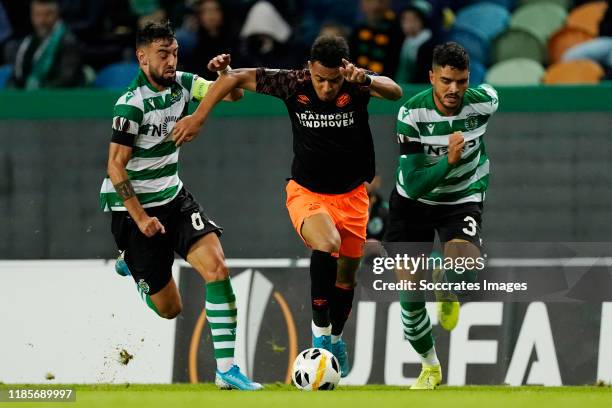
(451, 54)
(153, 31)
(329, 51)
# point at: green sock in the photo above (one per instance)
(146, 298)
(417, 327)
(221, 313)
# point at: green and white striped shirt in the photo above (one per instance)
(148, 116)
(420, 122)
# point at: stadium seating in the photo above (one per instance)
(475, 43)
(507, 4)
(487, 18)
(564, 39)
(477, 73)
(540, 19)
(5, 74)
(563, 3)
(587, 17)
(518, 43)
(116, 76)
(574, 72)
(517, 71)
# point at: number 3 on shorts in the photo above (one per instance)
(472, 226)
(196, 221)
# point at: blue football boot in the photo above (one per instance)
(323, 342)
(339, 350)
(233, 379)
(121, 266)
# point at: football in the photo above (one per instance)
(316, 369)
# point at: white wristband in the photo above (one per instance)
(224, 71)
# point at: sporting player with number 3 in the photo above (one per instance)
(153, 214)
(442, 178)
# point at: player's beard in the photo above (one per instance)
(441, 98)
(164, 81)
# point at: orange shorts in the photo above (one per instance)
(348, 211)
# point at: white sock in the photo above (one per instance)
(321, 331)
(430, 358)
(225, 363)
(337, 338)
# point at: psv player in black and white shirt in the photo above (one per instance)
(333, 158)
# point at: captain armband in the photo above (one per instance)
(200, 87)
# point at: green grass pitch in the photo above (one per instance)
(280, 395)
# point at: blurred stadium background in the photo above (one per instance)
(66, 317)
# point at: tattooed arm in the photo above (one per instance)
(118, 156)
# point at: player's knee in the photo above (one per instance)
(458, 247)
(171, 310)
(328, 243)
(218, 271)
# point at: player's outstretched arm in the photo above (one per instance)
(118, 156)
(221, 65)
(385, 88)
(420, 179)
(380, 86)
(188, 128)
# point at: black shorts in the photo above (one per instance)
(416, 222)
(150, 259)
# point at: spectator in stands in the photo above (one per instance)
(441, 15)
(148, 11)
(598, 49)
(213, 37)
(417, 49)
(289, 10)
(317, 14)
(105, 30)
(49, 57)
(265, 39)
(376, 42)
(331, 28)
(83, 17)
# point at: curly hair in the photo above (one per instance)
(451, 54)
(329, 51)
(153, 31)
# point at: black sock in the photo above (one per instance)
(322, 281)
(340, 308)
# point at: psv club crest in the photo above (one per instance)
(343, 100)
